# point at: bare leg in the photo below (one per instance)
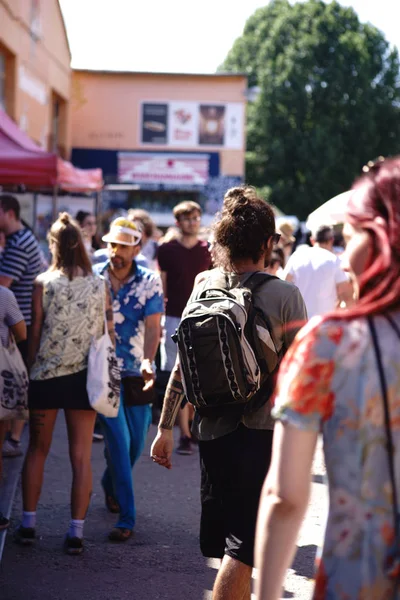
(233, 580)
(80, 425)
(41, 426)
(183, 420)
(17, 428)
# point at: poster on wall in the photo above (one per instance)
(154, 123)
(234, 126)
(212, 125)
(183, 124)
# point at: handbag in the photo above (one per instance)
(14, 383)
(392, 561)
(103, 374)
(134, 395)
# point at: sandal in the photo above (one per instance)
(73, 545)
(120, 534)
(112, 505)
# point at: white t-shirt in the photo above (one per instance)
(316, 272)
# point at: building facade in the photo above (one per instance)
(35, 73)
(160, 138)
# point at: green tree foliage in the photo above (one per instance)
(329, 99)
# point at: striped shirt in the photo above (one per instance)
(9, 313)
(21, 261)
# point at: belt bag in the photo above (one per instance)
(134, 394)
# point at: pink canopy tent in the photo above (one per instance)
(22, 162)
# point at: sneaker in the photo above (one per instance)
(25, 536)
(73, 545)
(185, 446)
(11, 448)
(4, 522)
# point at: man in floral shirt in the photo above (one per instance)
(138, 305)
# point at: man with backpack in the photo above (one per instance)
(236, 326)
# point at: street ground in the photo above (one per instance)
(162, 560)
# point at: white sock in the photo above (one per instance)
(76, 528)
(29, 519)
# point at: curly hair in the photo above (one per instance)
(246, 223)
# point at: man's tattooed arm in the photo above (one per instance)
(172, 400)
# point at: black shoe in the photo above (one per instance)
(4, 522)
(73, 545)
(25, 536)
(185, 446)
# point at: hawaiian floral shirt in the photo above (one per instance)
(139, 298)
(329, 382)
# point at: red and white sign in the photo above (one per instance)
(176, 169)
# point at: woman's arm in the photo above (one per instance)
(19, 331)
(110, 315)
(35, 330)
(283, 503)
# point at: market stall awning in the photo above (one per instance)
(22, 162)
(330, 213)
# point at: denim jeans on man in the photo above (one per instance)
(125, 437)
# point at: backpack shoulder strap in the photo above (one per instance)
(257, 279)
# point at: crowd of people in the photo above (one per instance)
(253, 342)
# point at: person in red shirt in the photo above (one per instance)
(180, 260)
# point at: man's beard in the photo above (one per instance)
(118, 263)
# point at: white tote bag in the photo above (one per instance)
(14, 383)
(103, 375)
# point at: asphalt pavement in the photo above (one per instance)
(162, 560)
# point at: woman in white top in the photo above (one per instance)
(68, 310)
(11, 319)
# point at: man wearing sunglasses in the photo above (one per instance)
(138, 305)
(235, 440)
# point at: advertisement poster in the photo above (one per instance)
(163, 169)
(183, 124)
(154, 123)
(234, 126)
(211, 125)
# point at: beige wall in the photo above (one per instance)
(40, 66)
(105, 108)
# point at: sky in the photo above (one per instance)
(179, 36)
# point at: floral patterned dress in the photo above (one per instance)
(329, 382)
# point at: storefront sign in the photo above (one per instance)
(163, 169)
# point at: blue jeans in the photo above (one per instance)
(124, 437)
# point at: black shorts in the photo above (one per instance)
(65, 392)
(233, 469)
